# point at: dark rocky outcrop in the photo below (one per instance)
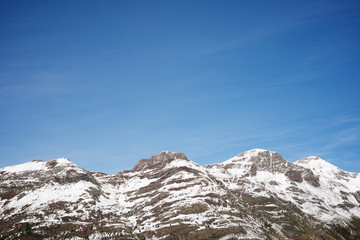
(159, 160)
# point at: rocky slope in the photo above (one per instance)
(254, 195)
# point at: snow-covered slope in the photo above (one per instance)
(315, 186)
(254, 195)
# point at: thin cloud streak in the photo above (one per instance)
(234, 43)
(302, 17)
(348, 136)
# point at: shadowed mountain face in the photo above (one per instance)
(254, 195)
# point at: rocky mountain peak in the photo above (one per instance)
(324, 168)
(60, 170)
(159, 160)
(60, 162)
(260, 159)
(317, 164)
(312, 158)
(39, 165)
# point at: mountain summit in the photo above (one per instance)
(159, 160)
(260, 158)
(254, 195)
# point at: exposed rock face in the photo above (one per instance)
(262, 159)
(254, 195)
(159, 160)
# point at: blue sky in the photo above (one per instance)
(106, 83)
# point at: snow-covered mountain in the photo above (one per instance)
(254, 195)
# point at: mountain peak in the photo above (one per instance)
(317, 164)
(258, 150)
(254, 155)
(259, 159)
(39, 165)
(311, 158)
(254, 151)
(159, 160)
(63, 162)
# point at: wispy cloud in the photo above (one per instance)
(347, 136)
(295, 79)
(234, 43)
(345, 120)
(36, 85)
(306, 15)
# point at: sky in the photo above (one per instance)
(107, 83)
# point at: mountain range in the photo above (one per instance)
(254, 195)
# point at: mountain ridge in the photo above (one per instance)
(254, 195)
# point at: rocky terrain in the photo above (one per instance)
(254, 195)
